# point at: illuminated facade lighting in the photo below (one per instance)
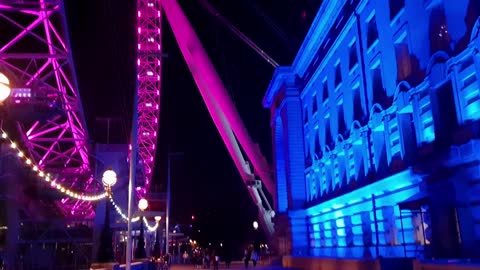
(381, 96)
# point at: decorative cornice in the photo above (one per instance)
(281, 76)
(321, 25)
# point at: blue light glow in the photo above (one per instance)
(401, 75)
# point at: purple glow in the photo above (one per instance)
(62, 140)
(149, 71)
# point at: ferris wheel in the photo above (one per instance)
(35, 54)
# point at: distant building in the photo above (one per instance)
(376, 132)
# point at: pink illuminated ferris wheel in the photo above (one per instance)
(35, 54)
(148, 77)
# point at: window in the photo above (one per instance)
(395, 7)
(404, 66)
(353, 59)
(325, 91)
(445, 113)
(315, 105)
(328, 133)
(379, 95)
(341, 120)
(357, 106)
(372, 32)
(338, 75)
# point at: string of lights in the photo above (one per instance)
(120, 212)
(53, 184)
(47, 177)
(150, 228)
(134, 219)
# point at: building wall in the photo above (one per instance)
(389, 97)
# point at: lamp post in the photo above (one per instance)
(131, 179)
(167, 218)
(5, 89)
(140, 253)
(255, 240)
(105, 252)
(156, 246)
(109, 179)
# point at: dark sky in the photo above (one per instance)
(205, 181)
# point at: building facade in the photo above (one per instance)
(376, 132)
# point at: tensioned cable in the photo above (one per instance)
(239, 33)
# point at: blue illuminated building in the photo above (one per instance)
(376, 132)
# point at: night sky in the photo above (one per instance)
(205, 181)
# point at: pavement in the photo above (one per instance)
(222, 267)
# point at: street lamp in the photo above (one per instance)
(156, 246)
(140, 252)
(142, 204)
(5, 89)
(255, 240)
(109, 179)
(105, 252)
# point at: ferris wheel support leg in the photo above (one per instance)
(201, 67)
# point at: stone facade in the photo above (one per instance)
(376, 131)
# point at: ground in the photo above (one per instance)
(235, 265)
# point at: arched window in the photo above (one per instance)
(314, 105)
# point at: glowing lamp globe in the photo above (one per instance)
(109, 178)
(158, 218)
(142, 204)
(5, 89)
(255, 225)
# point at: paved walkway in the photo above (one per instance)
(234, 266)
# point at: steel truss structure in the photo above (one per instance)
(255, 171)
(148, 77)
(35, 53)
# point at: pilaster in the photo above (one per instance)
(291, 114)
